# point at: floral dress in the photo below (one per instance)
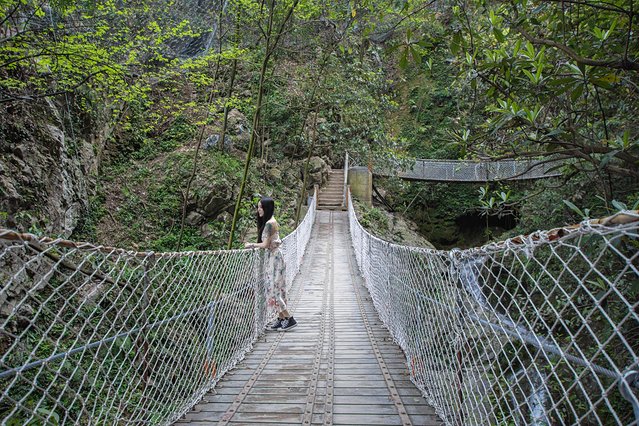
(275, 267)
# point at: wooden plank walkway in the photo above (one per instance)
(339, 366)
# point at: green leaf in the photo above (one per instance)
(619, 205)
(598, 33)
(598, 283)
(574, 208)
(517, 48)
(607, 82)
(416, 56)
(575, 69)
(531, 77)
(530, 49)
(577, 92)
(403, 59)
(456, 43)
(562, 81)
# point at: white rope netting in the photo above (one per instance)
(536, 330)
(95, 335)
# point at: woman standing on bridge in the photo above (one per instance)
(268, 238)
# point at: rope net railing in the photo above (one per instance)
(97, 335)
(474, 171)
(539, 330)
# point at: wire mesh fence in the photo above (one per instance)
(540, 330)
(96, 335)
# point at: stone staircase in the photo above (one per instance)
(331, 195)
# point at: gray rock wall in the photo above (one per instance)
(46, 177)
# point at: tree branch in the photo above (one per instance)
(9, 15)
(622, 64)
(608, 6)
(49, 94)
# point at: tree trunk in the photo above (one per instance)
(270, 48)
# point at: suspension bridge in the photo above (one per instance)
(435, 170)
(538, 329)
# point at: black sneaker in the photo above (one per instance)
(276, 325)
(287, 324)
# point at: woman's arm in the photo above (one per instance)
(268, 227)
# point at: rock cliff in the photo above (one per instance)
(47, 171)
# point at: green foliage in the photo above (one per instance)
(372, 218)
(554, 91)
(496, 202)
(179, 133)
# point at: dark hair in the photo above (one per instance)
(268, 205)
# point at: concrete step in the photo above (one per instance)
(340, 208)
(331, 195)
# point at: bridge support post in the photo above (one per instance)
(210, 364)
(360, 180)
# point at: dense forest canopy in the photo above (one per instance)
(152, 85)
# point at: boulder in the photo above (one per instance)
(224, 217)
(238, 127)
(213, 200)
(206, 230)
(217, 197)
(275, 174)
(213, 142)
(318, 172)
(316, 164)
(194, 218)
(242, 140)
(236, 122)
(290, 150)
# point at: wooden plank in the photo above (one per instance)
(274, 384)
(274, 418)
(272, 408)
(357, 377)
(253, 424)
(354, 391)
(261, 390)
(375, 399)
(367, 419)
(377, 383)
